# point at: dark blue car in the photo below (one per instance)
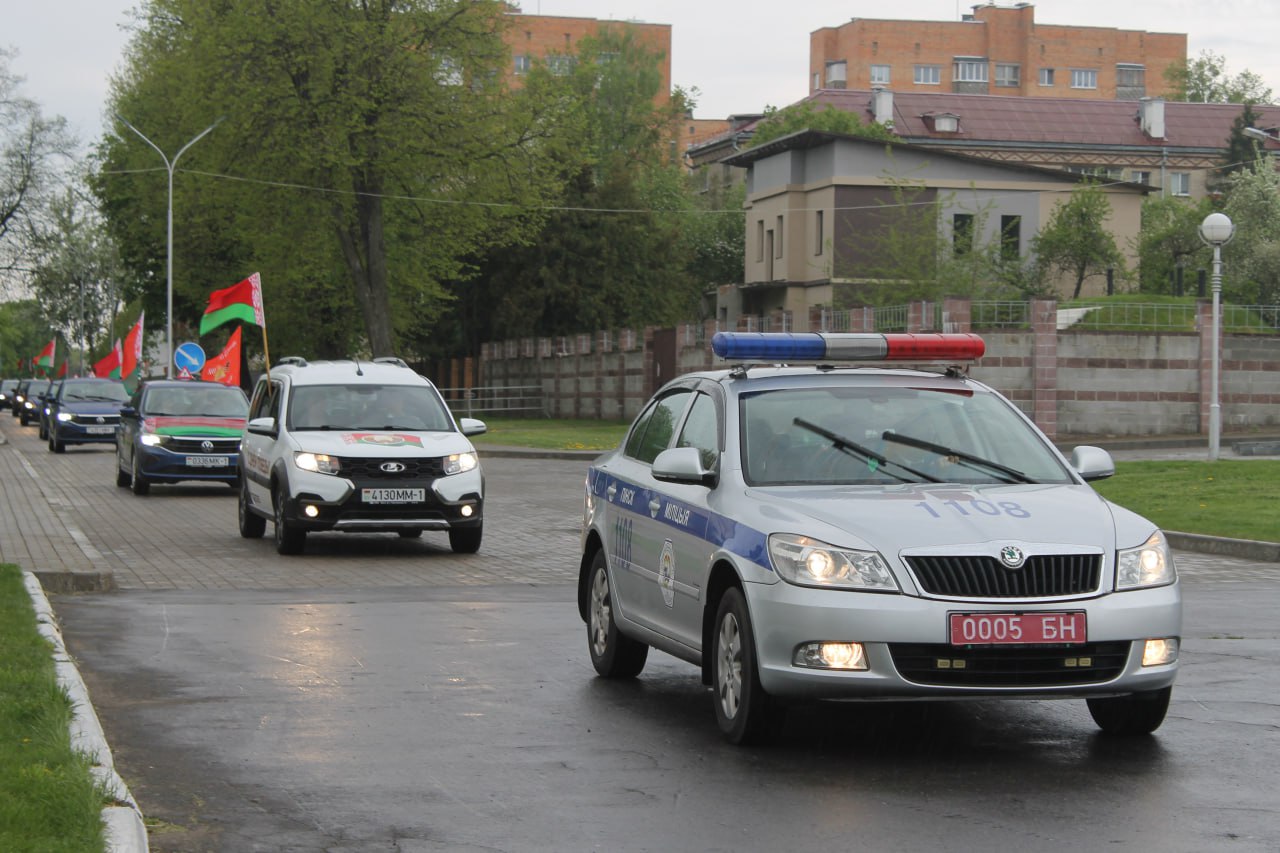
(85, 411)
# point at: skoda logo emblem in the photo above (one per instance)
(1012, 557)
(392, 467)
(206, 446)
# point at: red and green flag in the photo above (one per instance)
(241, 301)
(44, 360)
(131, 352)
(109, 366)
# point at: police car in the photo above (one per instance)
(357, 446)
(836, 531)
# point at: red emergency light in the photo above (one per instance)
(826, 346)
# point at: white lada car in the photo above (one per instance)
(357, 446)
(853, 532)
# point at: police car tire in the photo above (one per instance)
(140, 484)
(1135, 714)
(612, 654)
(290, 539)
(750, 714)
(465, 540)
(252, 525)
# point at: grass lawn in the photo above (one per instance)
(48, 798)
(552, 434)
(1239, 499)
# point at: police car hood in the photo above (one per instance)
(381, 442)
(913, 516)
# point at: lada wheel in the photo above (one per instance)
(612, 654)
(141, 485)
(465, 540)
(123, 477)
(289, 538)
(252, 525)
(744, 712)
(1136, 714)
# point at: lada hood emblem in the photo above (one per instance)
(392, 467)
(1012, 557)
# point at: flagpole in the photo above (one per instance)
(266, 351)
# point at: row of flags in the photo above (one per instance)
(242, 301)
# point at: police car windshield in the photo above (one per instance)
(878, 435)
(367, 407)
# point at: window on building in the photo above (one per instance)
(1131, 77)
(1008, 74)
(1046, 76)
(819, 237)
(879, 75)
(1084, 78)
(928, 75)
(777, 245)
(817, 81)
(837, 74)
(1010, 237)
(523, 64)
(962, 233)
(448, 71)
(560, 65)
(759, 240)
(970, 71)
(1140, 177)
(1180, 183)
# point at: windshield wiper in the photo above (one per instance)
(846, 445)
(962, 458)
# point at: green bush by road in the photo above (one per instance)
(552, 434)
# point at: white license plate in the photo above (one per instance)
(393, 496)
(100, 430)
(208, 461)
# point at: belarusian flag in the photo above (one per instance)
(241, 301)
(44, 360)
(225, 366)
(62, 371)
(109, 366)
(131, 354)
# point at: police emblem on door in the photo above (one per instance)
(667, 574)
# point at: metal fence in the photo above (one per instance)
(520, 400)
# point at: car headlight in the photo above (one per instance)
(150, 439)
(460, 462)
(64, 416)
(319, 463)
(808, 562)
(1150, 564)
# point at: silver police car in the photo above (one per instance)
(843, 531)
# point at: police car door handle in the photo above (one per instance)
(655, 505)
(612, 490)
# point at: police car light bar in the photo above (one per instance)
(822, 346)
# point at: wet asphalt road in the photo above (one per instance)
(378, 694)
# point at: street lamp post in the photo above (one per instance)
(169, 166)
(1216, 231)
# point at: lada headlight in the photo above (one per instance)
(318, 463)
(1150, 564)
(809, 562)
(457, 463)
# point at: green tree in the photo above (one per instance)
(369, 154)
(23, 331)
(1075, 241)
(1204, 80)
(1252, 259)
(1169, 241)
(807, 116)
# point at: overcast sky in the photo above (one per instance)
(742, 56)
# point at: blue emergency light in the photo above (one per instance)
(785, 347)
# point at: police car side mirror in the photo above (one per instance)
(682, 465)
(1092, 463)
(472, 426)
(262, 426)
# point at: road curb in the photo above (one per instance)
(1246, 549)
(125, 830)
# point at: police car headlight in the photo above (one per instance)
(460, 462)
(150, 439)
(1150, 564)
(809, 562)
(317, 463)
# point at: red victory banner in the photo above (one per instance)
(225, 366)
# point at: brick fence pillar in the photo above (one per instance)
(915, 316)
(1044, 365)
(1204, 323)
(957, 315)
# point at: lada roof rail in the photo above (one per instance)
(296, 360)
(390, 359)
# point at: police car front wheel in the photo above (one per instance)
(1136, 714)
(744, 711)
(612, 654)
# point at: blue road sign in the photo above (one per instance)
(189, 357)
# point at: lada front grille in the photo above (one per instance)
(1043, 576)
(196, 444)
(1009, 666)
(372, 468)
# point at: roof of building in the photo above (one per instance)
(1007, 120)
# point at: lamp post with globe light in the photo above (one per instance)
(1216, 231)
(169, 166)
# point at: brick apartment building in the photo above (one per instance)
(996, 50)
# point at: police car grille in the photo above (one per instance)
(1044, 576)
(415, 468)
(195, 444)
(1009, 666)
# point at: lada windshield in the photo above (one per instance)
(367, 406)
(859, 435)
(97, 392)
